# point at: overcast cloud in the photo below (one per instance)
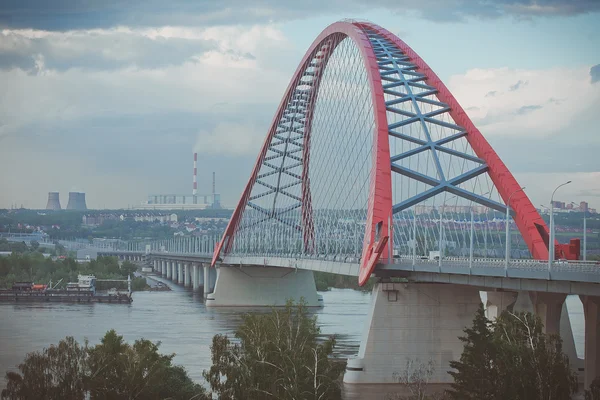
(74, 14)
(112, 98)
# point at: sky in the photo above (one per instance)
(113, 99)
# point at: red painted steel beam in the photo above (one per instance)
(379, 210)
(528, 220)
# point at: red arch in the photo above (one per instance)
(528, 220)
(380, 193)
(379, 212)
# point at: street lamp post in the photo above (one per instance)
(507, 228)
(551, 240)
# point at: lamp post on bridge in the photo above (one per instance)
(551, 239)
(507, 228)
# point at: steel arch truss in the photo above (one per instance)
(405, 93)
(401, 78)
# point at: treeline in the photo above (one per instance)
(34, 267)
(273, 356)
(326, 281)
(281, 356)
(112, 369)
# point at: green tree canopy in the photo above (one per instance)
(111, 370)
(511, 358)
(275, 356)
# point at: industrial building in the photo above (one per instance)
(191, 201)
(53, 201)
(76, 201)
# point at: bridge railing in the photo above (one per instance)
(590, 267)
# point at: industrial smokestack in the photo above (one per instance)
(53, 201)
(81, 201)
(194, 179)
(76, 201)
(214, 185)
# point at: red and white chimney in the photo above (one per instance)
(194, 179)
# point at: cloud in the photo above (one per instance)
(231, 139)
(98, 49)
(73, 14)
(517, 85)
(540, 186)
(491, 93)
(83, 125)
(552, 102)
(527, 109)
(595, 73)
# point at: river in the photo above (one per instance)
(181, 322)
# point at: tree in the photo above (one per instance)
(511, 358)
(57, 372)
(277, 356)
(111, 370)
(415, 380)
(34, 245)
(593, 393)
(121, 371)
(475, 377)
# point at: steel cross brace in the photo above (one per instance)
(392, 61)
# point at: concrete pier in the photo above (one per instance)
(498, 302)
(187, 281)
(195, 279)
(548, 306)
(412, 322)
(591, 311)
(169, 269)
(261, 287)
(180, 272)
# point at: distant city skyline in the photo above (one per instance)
(122, 123)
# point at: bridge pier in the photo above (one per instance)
(169, 268)
(591, 311)
(195, 277)
(412, 322)
(186, 275)
(210, 278)
(549, 306)
(262, 287)
(498, 302)
(179, 273)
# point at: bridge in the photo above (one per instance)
(371, 168)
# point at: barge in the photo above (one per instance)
(82, 291)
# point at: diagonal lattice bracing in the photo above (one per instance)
(413, 102)
(368, 157)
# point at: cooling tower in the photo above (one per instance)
(76, 201)
(53, 201)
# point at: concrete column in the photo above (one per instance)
(195, 276)
(169, 269)
(420, 322)
(498, 302)
(591, 311)
(259, 286)
(186, 275)
(155, 265)
(206, 279)
(201, 269)
(179, 272)
(548, 306)
(523, 302)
